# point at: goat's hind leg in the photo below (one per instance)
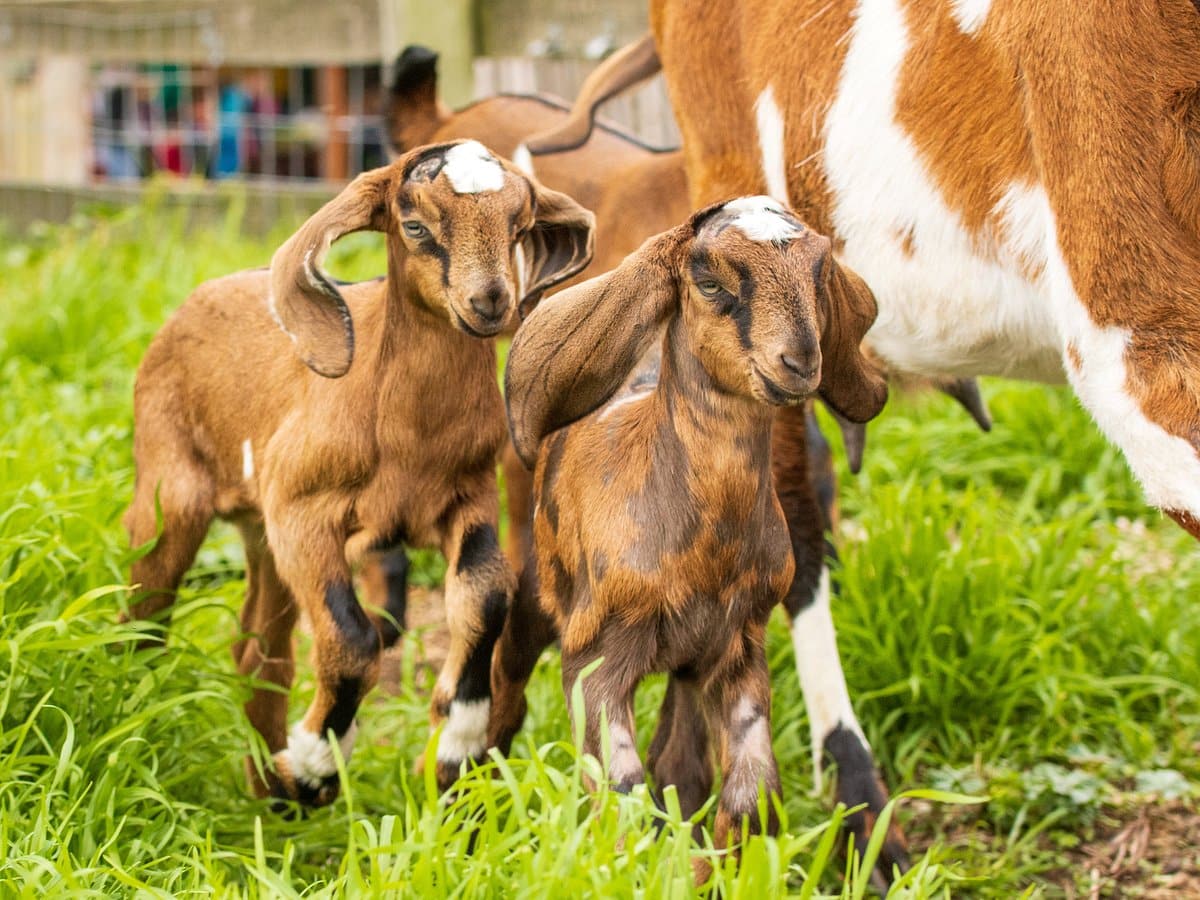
(679, 754)
(180, 495)
(385, 588)
(528, 630)
(479, 584)
(265, 651)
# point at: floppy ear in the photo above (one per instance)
(303, 299)
(575, 350)
(558, 246)
(851, 384)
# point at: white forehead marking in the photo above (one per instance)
(762, 219)
(472, 169)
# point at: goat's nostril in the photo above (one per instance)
(802, 367)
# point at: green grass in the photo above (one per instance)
(1014, 623)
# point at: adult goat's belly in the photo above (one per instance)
(951, 301)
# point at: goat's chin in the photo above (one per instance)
(476, 327)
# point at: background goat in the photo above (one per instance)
(397, 448)
(660, 542)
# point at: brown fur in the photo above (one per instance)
(1099, 106)
(400, 449)
(634, 191)
(660, 543)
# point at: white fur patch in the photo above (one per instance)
(472, 169)
(770, 144)
(970, 15)
(624, 764)
(625, 400)
(310, 756)
(820, 667)
(1166, 465)
(465, 733)
(523, 159)
(762, 219)
(247, 460)
(521, 271)
(950, 302)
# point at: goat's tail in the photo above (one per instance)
(630, 65)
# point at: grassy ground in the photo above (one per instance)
(1014, 624)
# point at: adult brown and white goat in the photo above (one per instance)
(397, 445)
(660, 542)
(1038, 219)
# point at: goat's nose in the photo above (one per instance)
(804, 365)
(492, 302)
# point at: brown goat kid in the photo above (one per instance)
(661, 545)
(397, 446)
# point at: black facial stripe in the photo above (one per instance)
(433, 248)
(742, 313)
(350, 619)
(475, 682)
(479, 546)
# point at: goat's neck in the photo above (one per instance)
(410, 325)
(728, 433)
(413, 347)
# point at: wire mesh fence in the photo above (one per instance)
(270, 92)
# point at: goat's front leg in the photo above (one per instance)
(346, 648)
(479, 583)
(739, 695)
(607, 698)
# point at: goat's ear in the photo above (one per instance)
(304, 300)
(412, 111)
(577, 348)
(851, 383)
(558, 246)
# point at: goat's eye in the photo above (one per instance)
(708, 287)
(415, 229)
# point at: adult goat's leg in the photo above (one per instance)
(834, 727)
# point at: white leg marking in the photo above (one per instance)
(970, 15)
(465, 733)
(951, 301)
(472, 169)
(310, 755)
(1166, 465)
(770, 144)
(821, 678)
(247, 460)
(624, 764)
(523, 159)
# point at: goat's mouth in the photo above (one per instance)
(483, 328)
(776, 394)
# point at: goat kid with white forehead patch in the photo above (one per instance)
(398, 448)
(660, 543)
